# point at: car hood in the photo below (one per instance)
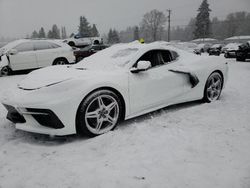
(49, 76)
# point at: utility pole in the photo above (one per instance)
(169, 19)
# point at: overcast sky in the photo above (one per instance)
(20, 17)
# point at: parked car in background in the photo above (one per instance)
(215, 49)
(201, 48)
(79, 41)
(31, 54)
(230, 50)
(81, 53)
(243, 52)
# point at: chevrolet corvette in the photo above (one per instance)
(115, 84)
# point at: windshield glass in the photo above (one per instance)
(115, 56)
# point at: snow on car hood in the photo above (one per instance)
(48, 76)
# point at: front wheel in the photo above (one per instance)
(98, 113)
(213, 87)
(5, 71)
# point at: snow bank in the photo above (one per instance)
(193, 145)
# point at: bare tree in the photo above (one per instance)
(152, 25)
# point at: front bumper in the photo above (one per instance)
(33, 112)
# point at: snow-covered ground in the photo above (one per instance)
(192, 145)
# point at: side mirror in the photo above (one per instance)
(141, 66)
(12, 52)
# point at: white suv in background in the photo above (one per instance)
(31, 54)
(78, 40)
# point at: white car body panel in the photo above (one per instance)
(62, 88)
(23, 60)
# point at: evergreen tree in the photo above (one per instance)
(116, 38)
(113, 37)
(110, 36)
(84, 27)
(94, 31)
(55, 32)
(34, 34)
(136, 33)
(41, 33)
(202, 24)
(63, 32)
(50, 35)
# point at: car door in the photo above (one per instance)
(155, 87)
(25, 58)
(46, 52)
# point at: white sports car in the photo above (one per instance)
(120, 82)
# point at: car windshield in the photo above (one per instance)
(115, 56)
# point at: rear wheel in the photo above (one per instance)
(213, 87)
(98, 113)
(5, 71)
(60, 61)
(71, 43)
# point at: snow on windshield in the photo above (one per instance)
(117, 55)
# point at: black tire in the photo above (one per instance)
(5, 71)
(83, 126)
(215, 89)
(96, 42)
(79, 58)
(71, 43)
(60, 61)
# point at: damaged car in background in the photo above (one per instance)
(28, 54)
(115, 84)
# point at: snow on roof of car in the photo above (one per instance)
(232, 46)
(120, 55)
(216, 46)
(203, 39)
(238, 37)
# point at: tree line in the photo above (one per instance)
(153, 27)
(153, 24)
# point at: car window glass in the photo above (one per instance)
(166, 55)
(24, 47)
(96, 47)
(175, 55)
(42, 45)
(153, 56)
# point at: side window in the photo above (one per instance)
(153, 56)
(24, 47)
(41, 45)
(166, 55)
(175, 55)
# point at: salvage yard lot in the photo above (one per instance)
(193, 145)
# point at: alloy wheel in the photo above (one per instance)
(214, 87)
(101, 114)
